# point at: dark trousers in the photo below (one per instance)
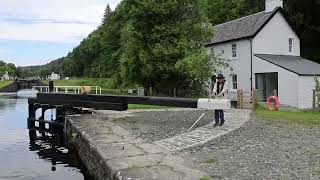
(219, 116)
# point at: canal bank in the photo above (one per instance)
(20, 84)
(112, 152)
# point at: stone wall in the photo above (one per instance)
(89, 155)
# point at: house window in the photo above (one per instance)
(290, 44)
(234, 81)
(234, 50)
(212, 51)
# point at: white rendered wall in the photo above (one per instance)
(240, 65)
(274, 38)
(306, 87)
(288, 82)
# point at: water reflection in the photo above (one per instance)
(52, 148)
(27, 154)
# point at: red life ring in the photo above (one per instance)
(276, 103)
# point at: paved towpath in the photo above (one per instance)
(111, 152)
(200, 136)
(123, 153)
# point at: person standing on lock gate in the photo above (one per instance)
(220, 91)
(51, 87)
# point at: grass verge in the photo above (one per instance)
(210, 161)
(204, 178)
(5, 83)
(299, 116)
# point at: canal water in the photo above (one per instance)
(28, 154)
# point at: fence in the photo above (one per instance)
(247, 100)
(66, 89)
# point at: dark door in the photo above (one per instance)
(266, 85)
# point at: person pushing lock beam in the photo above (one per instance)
(220, 91)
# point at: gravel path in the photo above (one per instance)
(153, 126)
(261, 149)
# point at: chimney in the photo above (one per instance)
(273, 4)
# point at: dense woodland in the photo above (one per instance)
(161, 43)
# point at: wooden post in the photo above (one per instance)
(32, 115)
(41, 122)
(254, 99)
(241, 99)
(238, 99)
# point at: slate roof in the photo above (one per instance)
(295, 64)
(241, 28)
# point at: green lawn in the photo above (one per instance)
(143, 106)
(5, 83)
(305, 117)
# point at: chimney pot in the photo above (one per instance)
(271, 5)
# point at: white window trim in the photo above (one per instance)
(291, 45)
(234, 50)
(232, 82)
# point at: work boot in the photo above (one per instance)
(221, 123)
(215, 124)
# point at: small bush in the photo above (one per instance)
(317, 88)
(210, 161)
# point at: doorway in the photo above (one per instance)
(266, 84)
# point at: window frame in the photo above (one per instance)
(234, 51)
(291, 43)
(234, 78)
(212, 51)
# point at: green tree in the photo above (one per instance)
(161, 39)
(107, 14)
(10, 68)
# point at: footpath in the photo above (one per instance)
(112, 152)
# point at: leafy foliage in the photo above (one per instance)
(7, 67)
(145, 42)
(317, 88)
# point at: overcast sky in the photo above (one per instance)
(34, 32)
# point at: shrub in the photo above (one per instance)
(317, 88)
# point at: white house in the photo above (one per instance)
(53, 76)
(6, 76)
(264, 53)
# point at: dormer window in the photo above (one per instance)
(234, 50)
(291, 44)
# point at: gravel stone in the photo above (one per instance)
(261, 149)
(157, 125)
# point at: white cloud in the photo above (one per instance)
(46, 31)
(4, 51)
(51, 20)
